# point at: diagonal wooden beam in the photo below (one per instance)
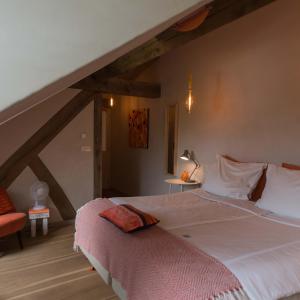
(56, 193)
(18, 161)
(121, 87)
(222, 12)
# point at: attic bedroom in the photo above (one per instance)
(150, 150)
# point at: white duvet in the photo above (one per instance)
(262, 250)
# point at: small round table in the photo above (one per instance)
(34, 215)
(177, 181)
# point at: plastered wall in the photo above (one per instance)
(246, 79)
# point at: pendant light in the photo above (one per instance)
(189, 100)
(111, 101)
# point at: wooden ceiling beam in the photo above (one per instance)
(221, 13)
(119, 86)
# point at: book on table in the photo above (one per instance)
(39, 214)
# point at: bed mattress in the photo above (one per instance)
(260, 249)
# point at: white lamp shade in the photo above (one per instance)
(186, 155)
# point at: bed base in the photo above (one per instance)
(105, 275)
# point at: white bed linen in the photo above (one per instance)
(281, 194)
(262, 250)
(231, 179)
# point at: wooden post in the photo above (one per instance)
(98, 146)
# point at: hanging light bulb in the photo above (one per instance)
(189, 100)
(111, 101)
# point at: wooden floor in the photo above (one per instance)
(48, 268)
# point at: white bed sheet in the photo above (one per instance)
(262, 250)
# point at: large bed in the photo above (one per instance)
(261, 249)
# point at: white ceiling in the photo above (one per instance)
(47, 45)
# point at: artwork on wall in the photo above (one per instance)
(139, 128)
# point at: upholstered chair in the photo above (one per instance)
(11, 222)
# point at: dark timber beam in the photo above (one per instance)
(18, 161)
(57, 194)
(98, 146)
(120, 87)
(222, 12)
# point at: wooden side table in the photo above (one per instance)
(177, 181)
(34, 215)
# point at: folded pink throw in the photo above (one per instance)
(151, 264)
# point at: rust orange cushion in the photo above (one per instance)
(11, 223)
(258, 190)
(128, 218)
(6, 205)
(290, 166)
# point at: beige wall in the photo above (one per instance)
(246, 84)
(137, 171)
(72, 168)
(246, 79)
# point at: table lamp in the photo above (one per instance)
(187, 155)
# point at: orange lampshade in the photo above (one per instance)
(192, 21)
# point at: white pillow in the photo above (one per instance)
(282, 192)
(232, 179)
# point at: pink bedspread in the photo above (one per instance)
(151, 264)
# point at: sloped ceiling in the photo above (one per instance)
(47, 45)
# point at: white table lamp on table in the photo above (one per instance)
(187, 155)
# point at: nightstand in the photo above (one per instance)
(177, 181)
(34, 215)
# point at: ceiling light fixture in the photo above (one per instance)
(189, 100)
(192, 21)
(111, 101)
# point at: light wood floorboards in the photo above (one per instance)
(49, 269)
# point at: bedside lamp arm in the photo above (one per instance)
(197, 165)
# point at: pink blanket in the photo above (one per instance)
(151, 264)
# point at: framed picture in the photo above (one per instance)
(139, 128)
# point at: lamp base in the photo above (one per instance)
(190, 181)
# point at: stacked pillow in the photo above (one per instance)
(128, 218)
(232, 179)
(282, 192)
(277, 188)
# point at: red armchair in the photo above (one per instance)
(11, 222)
